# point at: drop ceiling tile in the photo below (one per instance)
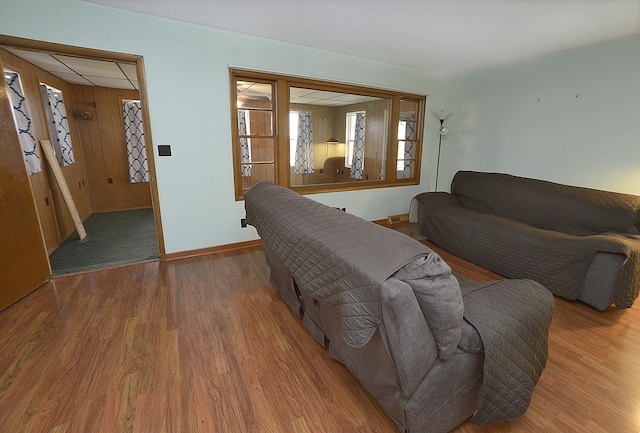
(129, 70)
(111, 82)
(42, 60)
(72, 78)
(298, 91)
(90, 67)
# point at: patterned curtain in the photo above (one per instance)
(304, 146)
(134, 137)
(57, 115)
(245, 147)
(408, 146)
(22, 118)
(357, 163)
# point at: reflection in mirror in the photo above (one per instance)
(407, 139)
(336, 137)
(255, 132)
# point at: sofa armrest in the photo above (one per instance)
(436, 199)
(427, 201)
(410, 341)
(601, 278)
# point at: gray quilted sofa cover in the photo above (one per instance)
(432, 349)
(580, 243)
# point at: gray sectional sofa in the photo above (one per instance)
(432, 349)
(580, 243)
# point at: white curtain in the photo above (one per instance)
(304, 145)
(134, 138)
(245, 145)
(408, 146)
(357, 162)
(22, 118)
(58, 118)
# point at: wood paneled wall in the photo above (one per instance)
(105, 150)
(54, 216)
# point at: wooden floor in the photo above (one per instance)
(207, 345)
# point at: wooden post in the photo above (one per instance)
(64, 188)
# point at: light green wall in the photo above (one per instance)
(572, 118)
(188, 87)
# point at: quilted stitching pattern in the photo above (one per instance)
(547, 205)
(516, 249)
(515, 342)
(333, 256)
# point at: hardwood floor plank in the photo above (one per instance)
(206, 344)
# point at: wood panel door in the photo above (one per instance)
(24, 263)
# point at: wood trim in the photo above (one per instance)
(153, 182)
(67, 50)
(215, 250)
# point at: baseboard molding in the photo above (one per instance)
(234, 247)
(214, 250)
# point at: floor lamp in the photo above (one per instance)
(441, 115)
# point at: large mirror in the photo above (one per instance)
(336, 137)
(318, 136)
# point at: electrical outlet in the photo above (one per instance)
(395, 219)
(243, 222)
(109, 180)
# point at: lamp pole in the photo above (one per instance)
(441, 115)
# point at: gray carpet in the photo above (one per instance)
(113, 238)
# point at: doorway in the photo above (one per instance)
(122, 218)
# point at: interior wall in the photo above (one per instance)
(55, 219)
(571, 118)
(187, 80)
(105, 151)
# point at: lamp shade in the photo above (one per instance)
(442, 114)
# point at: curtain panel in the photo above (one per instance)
(304, 145)
(134, 139)
(357, 162)
(245, 144)
(22, 118)
(59, 125)
(408, 146)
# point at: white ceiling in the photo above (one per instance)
(436, 36)
(87, 72)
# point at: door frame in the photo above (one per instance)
(90, 53)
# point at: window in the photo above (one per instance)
(254, 134)
(315, 136)
(58, 125)
(22, 119)
(408, 143)
(134, 139)
(350, 137)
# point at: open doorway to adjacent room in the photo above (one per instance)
(92, 105)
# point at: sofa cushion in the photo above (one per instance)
(438, 294)
(547, 205)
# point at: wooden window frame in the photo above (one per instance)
(280, 123)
